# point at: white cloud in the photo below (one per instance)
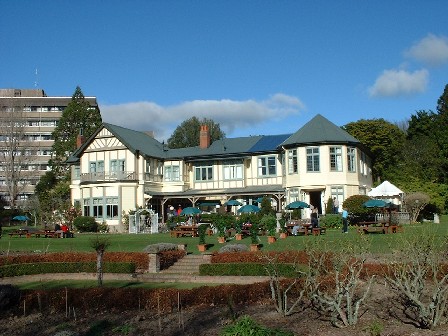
(230, 114)
(392, 83)
(432, 50)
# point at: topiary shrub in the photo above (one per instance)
(85, 224)
(357, 212)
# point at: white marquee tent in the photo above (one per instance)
(387, 190)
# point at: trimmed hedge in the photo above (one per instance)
(248, 269)
(76, 267)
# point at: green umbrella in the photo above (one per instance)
(297, 205)
(190, 211)
(248, 208)
(376, 203)
(233, 202)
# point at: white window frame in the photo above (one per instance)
(336, 158)
(203, 172)
(293, 165)
(233, 169)
(267, 166)
(313, 159)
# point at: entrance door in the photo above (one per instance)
(315, 199)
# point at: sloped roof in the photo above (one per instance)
(135, 140)
(319, 130)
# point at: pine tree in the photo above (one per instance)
(77, 116)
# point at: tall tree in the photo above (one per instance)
(433, 126)
(384, 140)
(14, 151)
(77, 116)
(187, 133)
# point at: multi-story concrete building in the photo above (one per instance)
(118, 169)
(30, 116)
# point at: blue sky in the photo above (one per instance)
(255, 67)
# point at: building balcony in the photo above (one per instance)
(108, 177)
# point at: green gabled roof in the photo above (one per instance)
(133, 140)
(320, 130)
(137, 141)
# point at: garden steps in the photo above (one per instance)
(188, 265)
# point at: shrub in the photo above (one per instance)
(247, 269)
(202, 229)
(269, 223)
(331, 221)
(76, 267)
(246, 326)
(85, 224)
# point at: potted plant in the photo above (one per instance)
(254, 246)
(283, 228)
(221, 226)
(238, 228)
(269, 222)
(202, 229)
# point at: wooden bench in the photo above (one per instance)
(319, 231)
(19, 234)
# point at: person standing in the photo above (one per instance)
(344, 221)
(335, 205)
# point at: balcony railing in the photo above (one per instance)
(105, 177)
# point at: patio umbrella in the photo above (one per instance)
(376, 203)
(233, 202)
(190, 211)
(297, 205)
(20, 218)
(248, 208)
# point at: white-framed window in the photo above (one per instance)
(76, 172)
(338, 192)
(96, 166)
(336, 159)
(267, 166)
(312, 159)
(293, 167)
(363, 164)
(172, 173)
(117, 167)
(233, 169)
(86, 207)
(111, 207)
(203, 171)
(97, 207)
(351, 159)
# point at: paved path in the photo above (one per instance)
(146, 277)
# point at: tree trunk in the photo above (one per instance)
(99, 267)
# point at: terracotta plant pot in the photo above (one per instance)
(254, 247)
(202, 247)
(283, 235)
(221, 240)
(239, 236)
(271, 239)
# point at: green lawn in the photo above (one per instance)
(380, 243)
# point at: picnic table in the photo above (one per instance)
(378, 226)
(36, 233)
(184, 230)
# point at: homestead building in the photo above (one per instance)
(117, 170)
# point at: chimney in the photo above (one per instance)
(80, 139)
(204, 137)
